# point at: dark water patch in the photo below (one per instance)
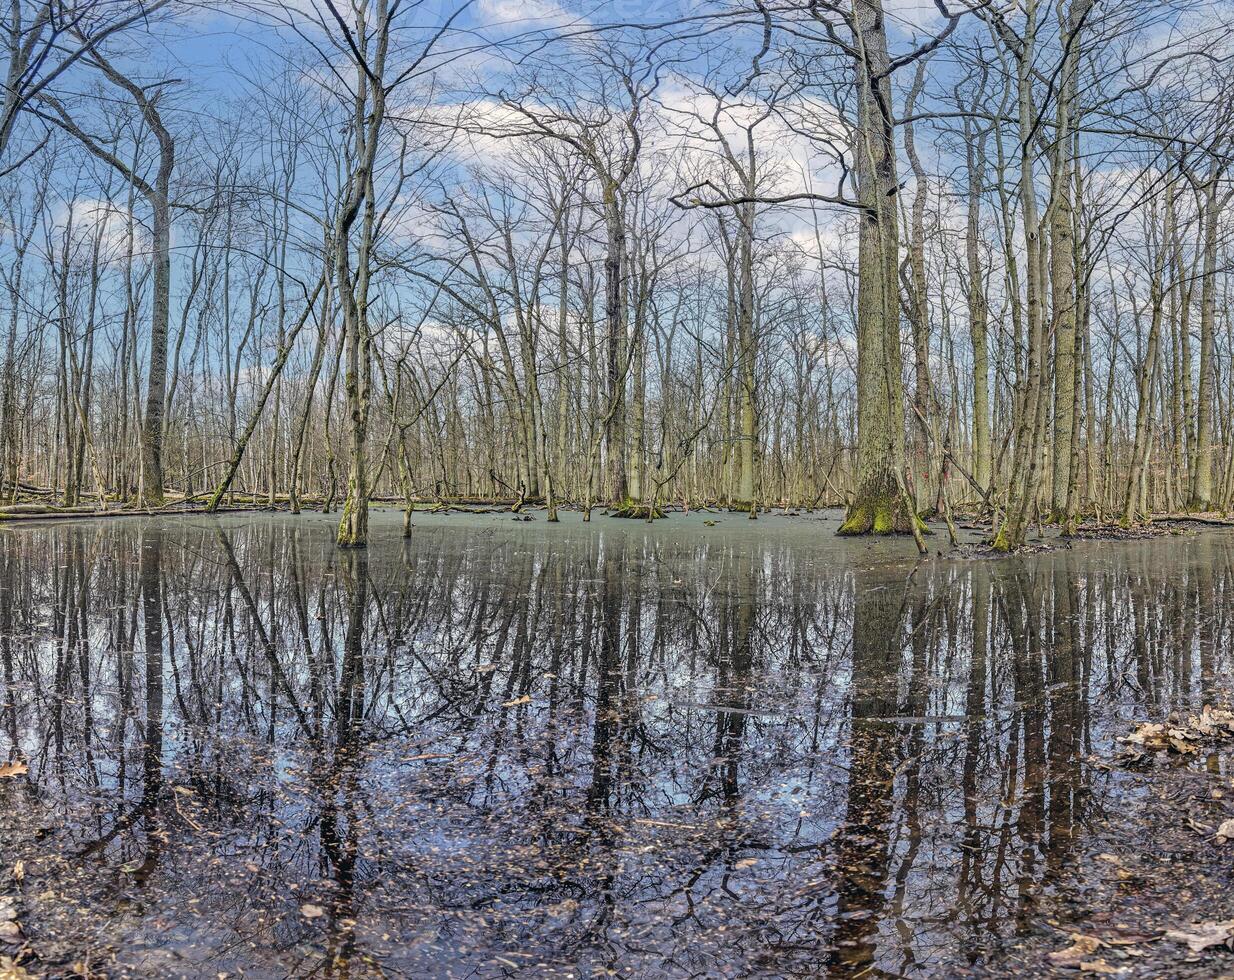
(498, 748)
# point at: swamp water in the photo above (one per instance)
(508, 748)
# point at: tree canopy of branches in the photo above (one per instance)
(759, 255)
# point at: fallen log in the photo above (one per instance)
(26, 488)
(1193, 519)
(12, 515)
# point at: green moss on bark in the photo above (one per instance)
(631, 509)
(881, 512)
(353, 526)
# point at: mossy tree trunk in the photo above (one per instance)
(879, 505)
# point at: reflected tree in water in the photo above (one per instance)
(628, 751)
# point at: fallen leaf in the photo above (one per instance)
(1226, 830)
(1217, 718)
(19, 871)
(1199, 936)
(1158, 738)
(1098, 966)
(311, 911)
(11, 769)
(525, 699)
(1181, 747)
(1080, 950)
(10, 932)
(1148, 734)
(9, 970)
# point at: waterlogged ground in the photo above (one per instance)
(709, 747)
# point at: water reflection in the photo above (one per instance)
(489, 750)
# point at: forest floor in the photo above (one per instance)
(1149, 894)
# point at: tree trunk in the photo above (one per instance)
(1202, 482)
(615, 323)
(1022, 490)
(978, 313)
(1143, 420)
(879, 505)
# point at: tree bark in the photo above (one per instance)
(879, 504)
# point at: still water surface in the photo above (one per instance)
(503, 748)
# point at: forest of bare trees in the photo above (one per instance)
(905, 258)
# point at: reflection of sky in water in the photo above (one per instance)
(745, 748)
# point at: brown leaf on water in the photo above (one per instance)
(11, 769)
(525, 699)
(1160, 738)
(1148, 734)
(1215, 721)
(1199, 936)
(1079, 952)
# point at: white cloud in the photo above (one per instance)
(90, 218)
(911, 16)
(525, 13)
